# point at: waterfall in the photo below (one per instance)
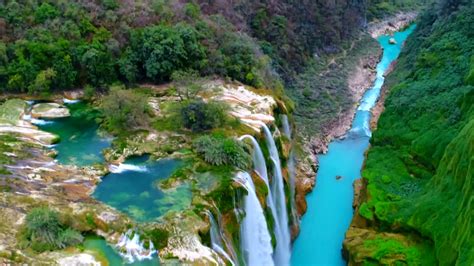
(225, 239)
(278, 191)
(261, 168)
(291, 168)
(35, 121)
(217, 239)
(258, 160)
(255, 239)
(132, 249)
(116, 169)
(68, 101)
(286, 126)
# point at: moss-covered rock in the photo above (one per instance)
(49, 110)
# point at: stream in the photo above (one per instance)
(330, 209)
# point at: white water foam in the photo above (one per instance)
(68, 101)
(123, 167)
(255, 239)
(132, 249)
(35, 121)
(283, 249)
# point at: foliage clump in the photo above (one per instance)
(200, 116)
(217, 151)
(44, 231)
(124, 110)
(158, 236)
(55, 46)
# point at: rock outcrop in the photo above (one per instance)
(49, 110)
(251, 108)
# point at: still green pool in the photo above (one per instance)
(80, 142)
(133, 188)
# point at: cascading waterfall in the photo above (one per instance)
(291, 168)
(132, 249)
(261, 168)
(255, 239)
(258, 159)
(68, 101)
(279, 199)
(217, 239)
(286, 126)
(225, 239)
(116, 169)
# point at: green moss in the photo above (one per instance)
(391, 251)
(11, 111)
(366, 212)
(158, 236)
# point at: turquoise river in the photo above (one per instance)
(330, 204)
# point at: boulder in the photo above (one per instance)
(392, 41)
(49, 110)
(74, 95)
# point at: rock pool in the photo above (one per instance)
(132, 188)
(80, 143)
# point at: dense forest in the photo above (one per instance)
(48, 46)
(420, 166)
(58, 45)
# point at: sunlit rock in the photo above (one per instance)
(49, 110)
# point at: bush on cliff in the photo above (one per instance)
(217, 151)
(199, 116)
(44, 231)
(124, 110)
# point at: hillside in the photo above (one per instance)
(418, 193)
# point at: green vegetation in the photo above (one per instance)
(44, 231)
(124, 110)
(11, 111)
(158, 236)
(321, 93)
(378, 9)
(218, 150)
(201, 116)
(420, 166)
(390, 251)
(58, 45)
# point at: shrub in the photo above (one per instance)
(222, 151)
(124, 110)
(159, 237)
(200, 116)
(161, 50)
(188, 84)
(44, 231)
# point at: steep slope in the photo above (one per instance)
(419, 170)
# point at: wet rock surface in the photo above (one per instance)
(49, 110)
